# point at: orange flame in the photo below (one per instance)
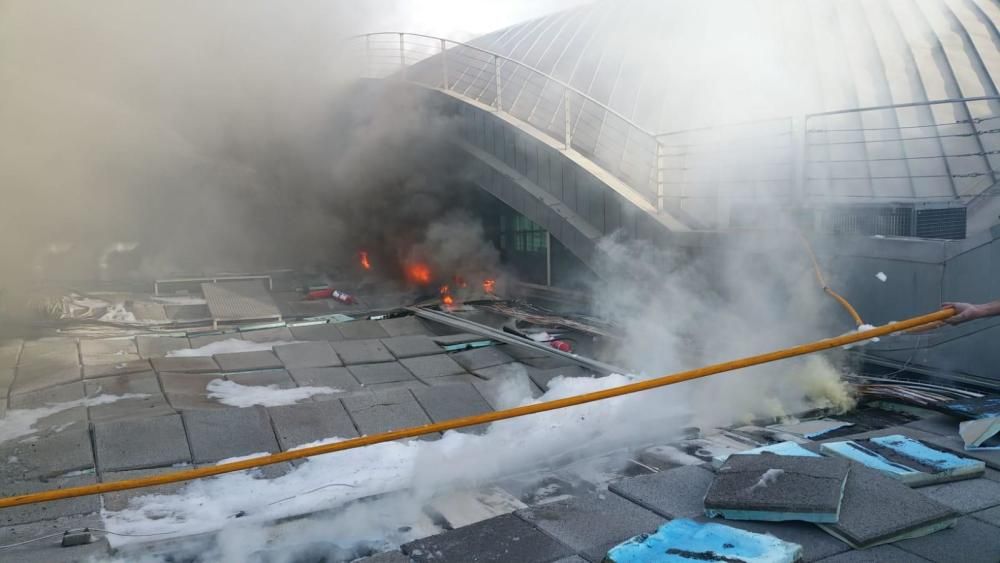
(489, 285)
(448, 299)
(363, 255)
(418, 273)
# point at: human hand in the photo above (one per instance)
(963, 312)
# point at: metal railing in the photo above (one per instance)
(936, 150)
(568, 116)
(947, 150)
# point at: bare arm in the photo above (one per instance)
(965, 312)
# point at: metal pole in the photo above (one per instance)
(566, 112)
(548, 258)
(496, 74)
(444, 65)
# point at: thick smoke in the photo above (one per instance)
(683, 309)
(223, 137)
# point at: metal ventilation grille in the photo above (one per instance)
(886, 221)
(942, 223)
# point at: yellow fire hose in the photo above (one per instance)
(413, 432)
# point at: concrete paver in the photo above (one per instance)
(295, 425)
(386, 372)
(362, 351)
(140, 443)
(224, 433)
(308, 355)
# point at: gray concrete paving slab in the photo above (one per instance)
(970, 541)
(394, 386)
(277, 334)
(452, 379)
(879, 554)
(140, 443)
(104, 370)
(675, 493)
(878, 509)
(6, 379)
(46, 455)
(119, 500)
(504, 539)
(969, 495)
(479, 358)
(187, 402)
(202, 340)
(50, 550)
(412, 346)
(308, 355)
(990, 516)
(382, 411)
(109, 359)
(816, 544)
(248, 361)
(770, 486)
(28, 513)
(277, 377)
(362, 351)
(505, 370)
(51, 351)
(108, 346)
(385, 372)
(10, 351)
(159, 346)
(308, 422)
(219, 434)
(523, 352)
(41, 376)
(196, 364)
(426, 367)
(320, 332)
(187, 383)
(445, 402)
(592, 523)
(63, 403)
(336, 378)
(154, 403)
(361, 329)
(404, 326)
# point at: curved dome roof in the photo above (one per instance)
(676, 64)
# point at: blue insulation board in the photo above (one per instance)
(915, 464)
(683, 541)
(781, 448)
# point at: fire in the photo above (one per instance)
(363, 256)
(446, 297)
(418, 273)
(489, 285)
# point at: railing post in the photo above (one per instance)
(798, 126)
(444, 65)
(660, 176)
(568, 126)
(402, 57)
(496, 74)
